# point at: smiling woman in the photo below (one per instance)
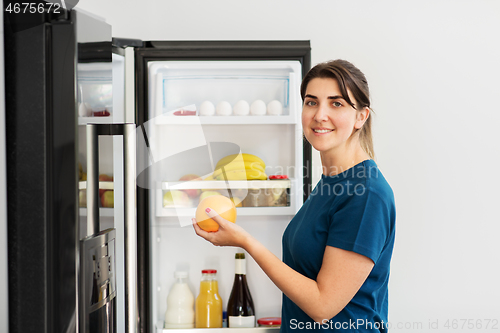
(330, 123)
(343, 83)
(337, 249)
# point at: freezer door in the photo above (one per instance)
(41, 146)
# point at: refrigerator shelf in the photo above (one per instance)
(241, 211)
(226, 120)
(223, 185)
(236, 186)
(160, 329)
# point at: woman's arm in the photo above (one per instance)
(341, 275)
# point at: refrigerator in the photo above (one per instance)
(195, 104)
(72, 263)
(70, 91)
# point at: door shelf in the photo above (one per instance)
(225, 120)
(104, 212)
(95, 120)
(82, 185)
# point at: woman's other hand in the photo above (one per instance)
(229, 234)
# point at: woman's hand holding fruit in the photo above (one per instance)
(229, 234)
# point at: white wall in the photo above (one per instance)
(433, 67)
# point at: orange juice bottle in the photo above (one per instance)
(208, 308)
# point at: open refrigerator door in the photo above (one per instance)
(106, 150)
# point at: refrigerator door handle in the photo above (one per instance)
(131, 302)
(92, 180)
(129, 182)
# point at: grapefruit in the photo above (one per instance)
(220, 204)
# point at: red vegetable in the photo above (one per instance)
(278, 177)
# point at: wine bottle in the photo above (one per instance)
(240, 309)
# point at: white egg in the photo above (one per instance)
(207, 108)
(241, 108)
(258, 108)
(224, 109)
(274, 108)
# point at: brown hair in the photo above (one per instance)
(349, 77)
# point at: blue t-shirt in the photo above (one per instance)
(354, 211)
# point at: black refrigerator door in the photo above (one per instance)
(198, 50)
(42, 172)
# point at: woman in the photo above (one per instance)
(337, 249)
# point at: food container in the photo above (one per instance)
(269, 322)
(274, 193)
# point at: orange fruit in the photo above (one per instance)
(220, 204)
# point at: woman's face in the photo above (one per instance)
(328, 120)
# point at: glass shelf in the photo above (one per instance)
(222, 185)
(225, 120)
(82, 185)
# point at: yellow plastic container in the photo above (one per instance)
(208, 308)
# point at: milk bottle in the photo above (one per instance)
(180, 304)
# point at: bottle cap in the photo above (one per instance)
(208, 271)
(239, 256)
(269, 321)
(180, 274)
